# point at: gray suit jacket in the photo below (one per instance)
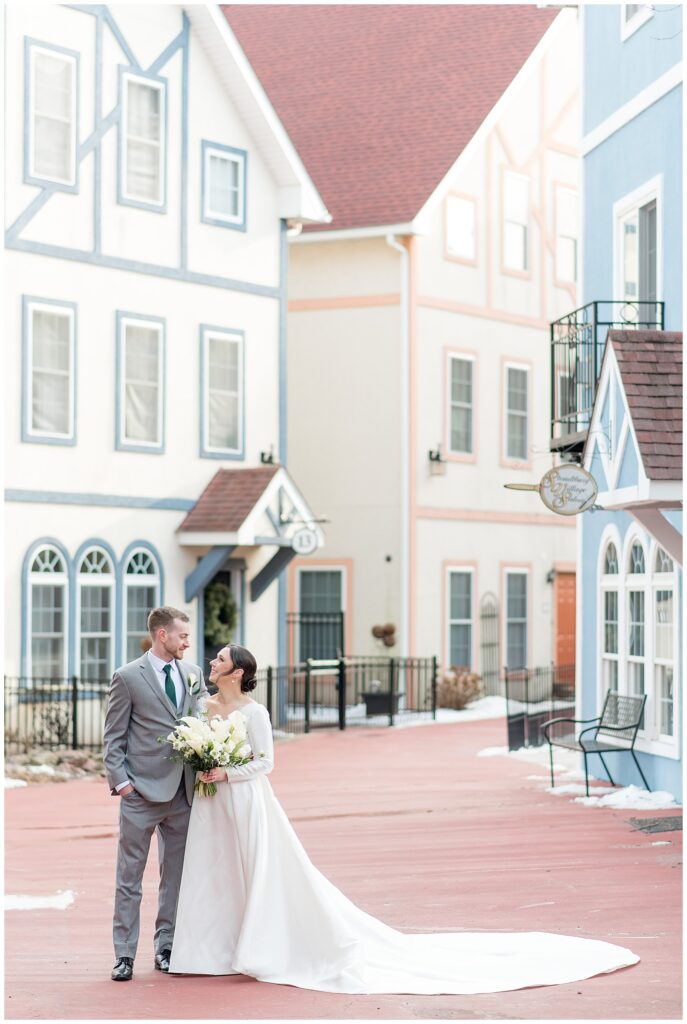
(137, 713)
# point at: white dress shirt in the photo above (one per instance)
(158, 667)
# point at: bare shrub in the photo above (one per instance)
(458, 686)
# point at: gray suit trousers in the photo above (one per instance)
(138, 819)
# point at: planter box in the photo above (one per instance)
(379, 703)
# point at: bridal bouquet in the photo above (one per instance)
(203, 744)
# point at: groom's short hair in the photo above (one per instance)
(162, 618)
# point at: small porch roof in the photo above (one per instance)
(245, 508)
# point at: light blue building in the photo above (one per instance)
(616, 379)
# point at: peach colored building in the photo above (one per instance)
(444, 142)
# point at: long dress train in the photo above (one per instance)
(251, 902)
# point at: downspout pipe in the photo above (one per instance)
(404, 631)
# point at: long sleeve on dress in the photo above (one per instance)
(259, 730)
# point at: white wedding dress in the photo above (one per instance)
(251, 902)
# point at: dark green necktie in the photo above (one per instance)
(170, 688)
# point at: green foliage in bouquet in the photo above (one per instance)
(221, 614)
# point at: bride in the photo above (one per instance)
(251, 902)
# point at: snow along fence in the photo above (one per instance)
(533, 697)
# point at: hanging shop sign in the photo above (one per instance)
(566, 490)
(304, 541)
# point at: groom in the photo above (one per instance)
(147, 698)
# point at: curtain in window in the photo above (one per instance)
(95, 631)
(517, 413)
(461, 405)
(223, 393)
(663, 638)
(47, 630)
(224, 185)
(460, 227)
(516, 620)
(460, 619)
(51, 372)
(142, 397)
(144, 133)
(52, 117)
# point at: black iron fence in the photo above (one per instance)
(54, 713)
(69, 713)
(533, 696)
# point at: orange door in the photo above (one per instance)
(564, 640)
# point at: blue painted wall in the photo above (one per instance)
(661, 772)
(647, 146)
(616, 70)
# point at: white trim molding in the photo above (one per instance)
(632, 109)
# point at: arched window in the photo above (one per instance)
(609, 602)
(141, 595)
(663, 562)
(637, 564)
(95, 617)
(48, 583)
(636, 622)
(664, 643)
(611, 560)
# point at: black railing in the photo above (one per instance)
(57, 714)
(533, 696)
(577, 346)
(54, 714)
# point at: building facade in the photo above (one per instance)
(617, 403)
(150, 186)
(419, 323)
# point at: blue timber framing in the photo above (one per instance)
(208, 566)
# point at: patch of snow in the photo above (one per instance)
(631, 798)
(41, 769)
(662, 842)
(60, 901)
(484, 708)
(14, 783)
(565, 759)
(541, 706)
(575, 788)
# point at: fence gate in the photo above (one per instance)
(489, 643)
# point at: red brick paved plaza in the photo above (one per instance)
(411, 825)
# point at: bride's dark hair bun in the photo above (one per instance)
(242, 658)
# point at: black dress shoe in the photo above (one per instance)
(162, 960)
(123, 970)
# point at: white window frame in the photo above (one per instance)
(466, 358)
(516, 571)
(649, 739)
(139, 581)
(37, 579)
(628, 26)
(230, 154)
(512, 364)
(238, 337)
(650, 191)
(69, 58)
(60, 309)
(463, 570)
(609, 582)
(469, 258)
(124, 443)
(507, 268)
(558, 191)
(95, 580)
(124, 197)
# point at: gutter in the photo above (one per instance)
(404, 631)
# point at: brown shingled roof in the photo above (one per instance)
(650, 364)
(228, 499)
(380, 100)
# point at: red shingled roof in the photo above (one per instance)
(650, 364)
(381, 100)
(228, 499)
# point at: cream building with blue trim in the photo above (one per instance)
(149, 190)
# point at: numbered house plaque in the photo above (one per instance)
(304, 541)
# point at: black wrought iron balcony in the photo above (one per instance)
(577, 347)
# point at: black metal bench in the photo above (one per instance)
(619, 720)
